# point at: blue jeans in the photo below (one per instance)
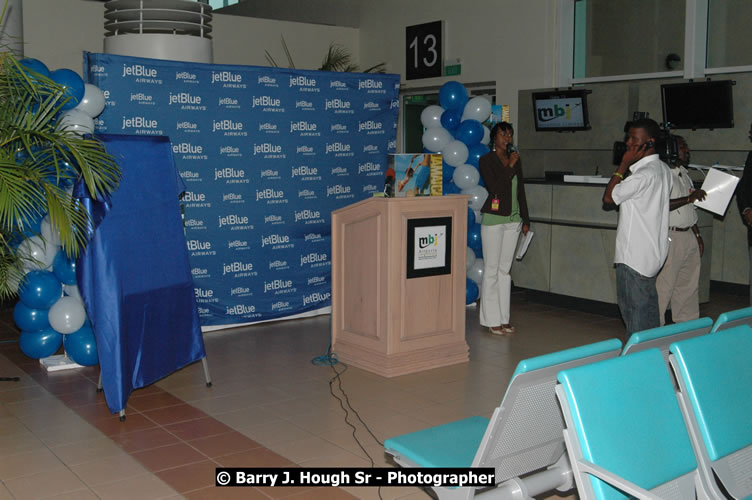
(638, 300)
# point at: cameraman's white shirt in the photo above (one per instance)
(642, 232)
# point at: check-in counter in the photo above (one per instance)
(572, 252)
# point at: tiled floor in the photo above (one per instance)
(269, 406)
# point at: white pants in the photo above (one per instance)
(499, 242)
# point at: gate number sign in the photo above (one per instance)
(423, 50)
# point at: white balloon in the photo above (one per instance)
(36, 253)
(67, 315)
(475, 272)
(486, 136)
(72, 291)
(77, 121)
(50, 236)
(478, 195)
(470, 258)
(466, 176)
(436, 138)
(455, 153)
(92, 103)
(430, 117)
(477, 108)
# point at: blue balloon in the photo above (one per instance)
(469, 132)
(64, 268)
(450, 188)
(471, 291)
(73, 86)
(35, 65)
(450, 119)
(475, 152)
(81, 346)
(470, 217)
(39, 289)
(40, 345)
(30, 320)
(473, 237)
(453, 95)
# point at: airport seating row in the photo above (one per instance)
(669, 415)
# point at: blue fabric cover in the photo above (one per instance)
(628, 420)
(134, 276)
(557, 358)
(732, 316)
(717, 371)
(449, 445)
(667, 330)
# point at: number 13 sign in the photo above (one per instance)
(423, 54)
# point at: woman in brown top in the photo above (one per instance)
(504, 215)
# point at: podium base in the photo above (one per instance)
(401, 363)
(58, 362)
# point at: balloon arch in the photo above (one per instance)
(455, 129)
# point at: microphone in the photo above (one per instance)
(511, 148)
(389, 183)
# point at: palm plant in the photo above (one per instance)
(337, 58)
(38, 159)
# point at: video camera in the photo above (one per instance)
(667, 146)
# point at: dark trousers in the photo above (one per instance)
(638, 300)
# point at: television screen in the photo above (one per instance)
(698, 104)
(561, 110)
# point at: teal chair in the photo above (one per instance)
(624, 430)
(664, 336)
(715, 393)
(733, 318)
(523, 436)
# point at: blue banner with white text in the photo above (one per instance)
(266, 155)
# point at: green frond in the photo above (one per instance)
(36, 158)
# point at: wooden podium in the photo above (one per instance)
(382, 320)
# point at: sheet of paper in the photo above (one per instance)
(720, 187)
(524, 244)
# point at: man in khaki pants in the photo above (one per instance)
(678, 281)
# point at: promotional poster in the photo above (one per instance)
(416, 174)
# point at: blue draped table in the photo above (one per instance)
(134, 277)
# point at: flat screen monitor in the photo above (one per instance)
(561, 110)
(696, 105)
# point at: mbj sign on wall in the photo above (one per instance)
(423, 50)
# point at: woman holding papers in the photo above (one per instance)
(504, 215)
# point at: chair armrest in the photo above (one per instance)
(617, 481)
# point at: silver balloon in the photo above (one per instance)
(67, 315)
(455, 153)
(466, 176)
(92, 103)
(430, 117)
(72, 291)
(477, 108)
(478, 195)
(49, 235)
(36, 253)
(436, 138)
(486, 136)
(475, 272)
(77, 121)
(470, 258)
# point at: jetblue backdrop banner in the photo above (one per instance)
(266, 154)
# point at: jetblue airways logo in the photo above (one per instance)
(309, 216)
(271, 195)
(268, 81)
(226, 77)
(305, 171)
(266, 101)
(278, 286)
(139, 70)
(314, 259)
(316, 297)
(340, 148)
(302, 81)
(338, 105)
(184, 98)
(370, 168)
(372, 86)
(305, 128)
(340, 191)
(371, 127)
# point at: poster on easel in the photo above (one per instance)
(418, 174)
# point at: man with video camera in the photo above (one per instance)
(642, 230)
(678, 282)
